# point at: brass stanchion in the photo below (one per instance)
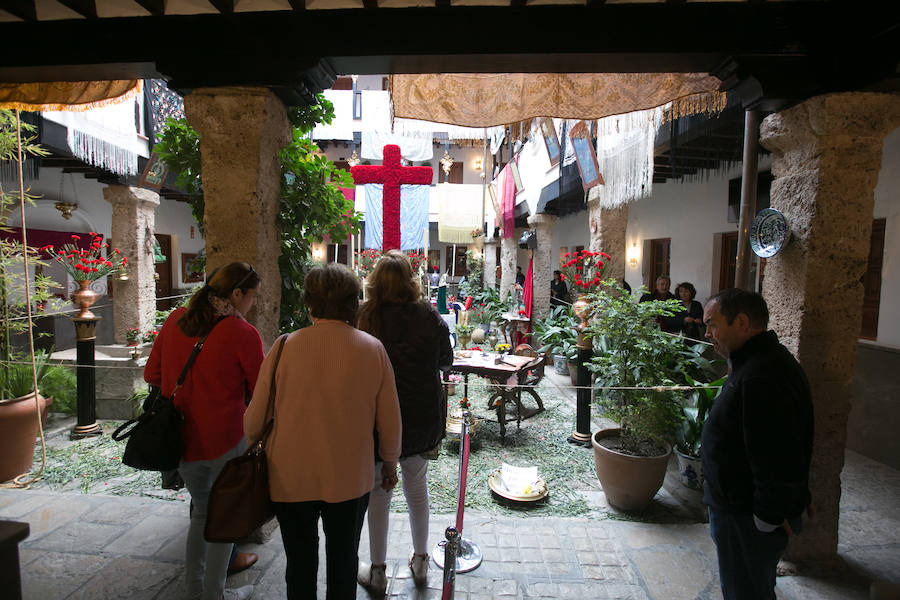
(582, 434)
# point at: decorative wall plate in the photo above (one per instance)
(769, 233)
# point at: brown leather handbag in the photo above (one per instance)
(239, 499)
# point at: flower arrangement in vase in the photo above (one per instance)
(85, 265)
(132, 336)
(583, 271)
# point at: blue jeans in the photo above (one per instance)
(747, 556)
(205, 564)
(342, 522)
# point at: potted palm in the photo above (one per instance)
(636, 366)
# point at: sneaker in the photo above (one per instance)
(373, 578)
(418, 564)
(241, 593)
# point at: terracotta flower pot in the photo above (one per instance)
(629, 482)
(18, 430)
(84, 297)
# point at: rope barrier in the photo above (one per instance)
(60, 313)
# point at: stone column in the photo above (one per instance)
(241, 131)
(490, 264)
(133, 222)
(544, 263)
(508, 248)
(826, 158)
(607, 227)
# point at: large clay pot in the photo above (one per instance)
(84, 297)
(18, 430)
(629, 482)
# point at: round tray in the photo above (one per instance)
(539, 492)
(768, 233)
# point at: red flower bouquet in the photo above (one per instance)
(88, 264)
(583, 270)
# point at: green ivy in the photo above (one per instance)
(310, 206)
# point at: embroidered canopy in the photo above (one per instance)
(66, 95)
(488, 99)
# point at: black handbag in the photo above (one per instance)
(154, 438)
(239, 500)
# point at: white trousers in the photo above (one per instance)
(414, 476)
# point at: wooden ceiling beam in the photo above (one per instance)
(226, 7)
(85, 8)
(24, 9)
(371, 4)
(157, 8)
(298, 5)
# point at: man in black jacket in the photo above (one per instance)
(756, 447)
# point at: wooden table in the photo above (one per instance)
(512, 323)
(506, 375)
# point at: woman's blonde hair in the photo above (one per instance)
(392, 281)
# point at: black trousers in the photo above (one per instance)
(299, 524)
(747, 556)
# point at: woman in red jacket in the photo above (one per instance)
(212, 398)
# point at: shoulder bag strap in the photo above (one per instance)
(190, 361)
(270, 408)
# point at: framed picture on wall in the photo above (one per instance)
(585, 156)
(551, 141)
(189, 273)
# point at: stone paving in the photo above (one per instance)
(103, 547)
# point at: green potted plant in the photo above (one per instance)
(557, 335)
(695, 409)
(633, 363)
(132, 336)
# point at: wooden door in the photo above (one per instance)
(872, 282)
(659, 259)
(728, 260)
(456, 174)
(164, 273)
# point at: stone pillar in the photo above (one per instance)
(508, 248)
(241, 131)
(607, 228)
(544, 263)
(826, 158)
(133, 222)
(490, 264)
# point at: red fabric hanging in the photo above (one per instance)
(508, 201)
(38, 238)
(527, 294)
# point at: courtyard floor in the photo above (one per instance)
(99, 546)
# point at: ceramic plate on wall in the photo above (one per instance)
(768, 233)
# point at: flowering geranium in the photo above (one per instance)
(150, 336)
(583, 270)
(366, 259)
(132, 334)
(88, 264)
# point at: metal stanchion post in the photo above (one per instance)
(468, 554)
(86, 410)
(451, 546)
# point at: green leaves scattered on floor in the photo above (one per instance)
(540, 441)
(94, 465)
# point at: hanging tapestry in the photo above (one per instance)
(105, 137)
(414, 202)
(487, 99)
(459, 212)
(411, 148)
(165, 104)
(67, 95)
(625, 156)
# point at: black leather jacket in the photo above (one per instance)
(417, 341)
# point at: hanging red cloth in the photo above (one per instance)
(507, 186)
(39, 238)
(527, 294)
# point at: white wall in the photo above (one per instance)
(887, 206)
(174, 218)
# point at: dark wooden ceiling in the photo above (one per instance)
(770, 53)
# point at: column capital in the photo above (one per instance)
(129, 194)
(542, 220)
(219, 111)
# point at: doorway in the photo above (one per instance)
(164, 273)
